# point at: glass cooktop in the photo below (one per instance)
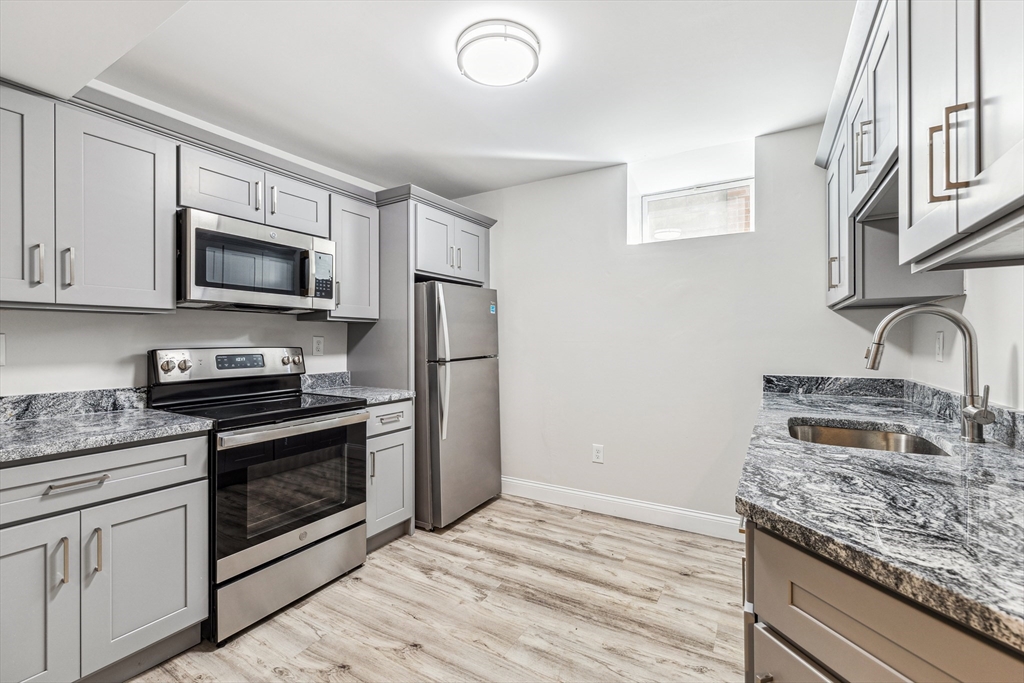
(248, 412)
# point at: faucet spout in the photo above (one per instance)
(975, 411)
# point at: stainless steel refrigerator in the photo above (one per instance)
(458, 438)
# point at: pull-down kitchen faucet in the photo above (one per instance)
(974, 412)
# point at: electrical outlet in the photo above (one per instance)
(940, 339)
(3, 349)
(598, 453)
(318, 346)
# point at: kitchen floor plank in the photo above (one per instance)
(518, 590)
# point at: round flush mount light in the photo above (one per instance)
(497, 52)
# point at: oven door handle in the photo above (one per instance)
(245, 437)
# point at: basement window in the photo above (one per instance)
(699, 211)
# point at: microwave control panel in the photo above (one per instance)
(324, 276)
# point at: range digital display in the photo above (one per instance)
(246, 360)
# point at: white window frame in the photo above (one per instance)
(691, 190)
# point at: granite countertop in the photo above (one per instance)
(946, 531)
(41, 426)
(373, 395)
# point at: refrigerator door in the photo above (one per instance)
(465, 437)
(462, 321)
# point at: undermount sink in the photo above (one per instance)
(864, 438)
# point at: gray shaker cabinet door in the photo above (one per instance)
(39, 602)
(389, 480)
(26, 197)
(435, 233)
(355, 230)
(220, 185)
(470, 250)
(115, 213)
(144, 571)
(293, 205)
(840, 265)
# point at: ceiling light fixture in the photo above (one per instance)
(497, 52)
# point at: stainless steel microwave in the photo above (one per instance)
(229, 263)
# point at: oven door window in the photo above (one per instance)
(271, 488)
(229, 262)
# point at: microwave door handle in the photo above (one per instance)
(311, 277)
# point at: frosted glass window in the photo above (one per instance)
(703, 211)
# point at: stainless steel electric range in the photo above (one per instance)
(288, 476)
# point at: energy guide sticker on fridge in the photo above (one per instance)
(494, 309)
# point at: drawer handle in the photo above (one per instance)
(391, 418)
(59, 487)
(99, 549)
(67, 565)
(764, 678)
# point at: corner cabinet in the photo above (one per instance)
(961, 133)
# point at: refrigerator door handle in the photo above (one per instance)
(444, 322)
(447, 397)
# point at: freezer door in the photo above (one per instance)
(462, 321)
(465, 439)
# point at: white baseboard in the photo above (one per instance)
(707, 523)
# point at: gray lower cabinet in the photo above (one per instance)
(293, 205)
(39, 601)
(26, 197)
(220, 185)
(144, 571)
(115, 213)
(389, 482)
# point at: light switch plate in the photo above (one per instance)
(318, 346)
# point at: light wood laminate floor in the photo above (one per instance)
(518, 591)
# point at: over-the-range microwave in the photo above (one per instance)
(228, 263)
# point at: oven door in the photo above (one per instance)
(281, 487)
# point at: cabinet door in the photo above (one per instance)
(990, 131)
(881, 77)
(355, 230)
(114, 213)
(840, 235)
(859, 134)
(39, 601)
(26, 197)
(144, 571)
(389, 482)
(214, 183)
(297, 206)
(435, 231)
(470, 250)
(927, 83)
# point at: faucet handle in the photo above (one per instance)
(984, 398)
(980, 414)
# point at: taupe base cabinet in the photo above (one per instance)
(808, 620)
(101, 581)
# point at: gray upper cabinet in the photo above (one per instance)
(840, 271)
(26, 198)
(144, 571)
(39, 601)
(389, 483)
(435, 248)
(355, 230)
(858, 131)
(220, 185)
(297, 206)
(115, 213)
(470, 250)
(881, 75)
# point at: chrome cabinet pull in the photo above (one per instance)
(99, 549)
(950, 185)
(273, 199)
(459, 251)
(41, 255)
(94, 480)
(391, 418)
(451, 254)
(831, 260)
(931, 167)
(71, 266)
(373, 464)
(337, 292)
(259, 193)
(67, 565)
(860, 147)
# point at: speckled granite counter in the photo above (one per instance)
(373, 395)
(47, 425)
(945, 531)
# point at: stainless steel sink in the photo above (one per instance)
(865, 438)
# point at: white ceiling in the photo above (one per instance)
(57, 46)
(371, 88)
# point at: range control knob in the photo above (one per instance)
(286, 360)
(168, 366)
(296, 360)
(184, 364)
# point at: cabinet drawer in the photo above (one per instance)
(861, 632)
(389, 417)
(45, 488)
(776, 661)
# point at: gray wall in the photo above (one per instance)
(657, 351)
(71, 351)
